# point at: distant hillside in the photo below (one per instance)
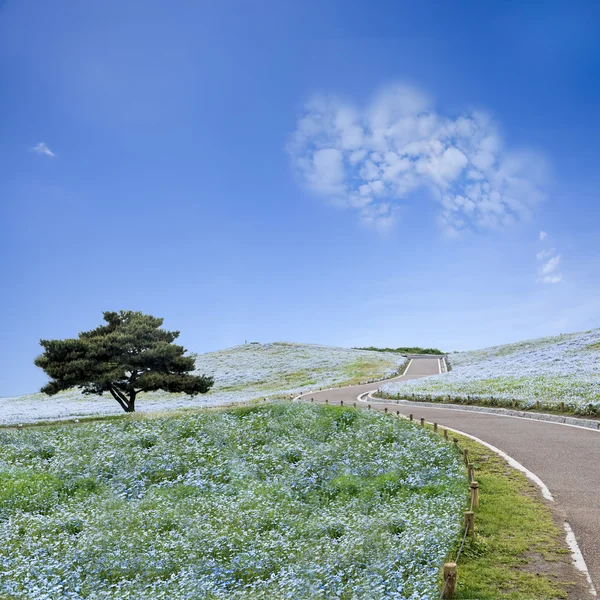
(405, 350)
(559, 373)
(241, 373)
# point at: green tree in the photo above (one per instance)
(128, 355)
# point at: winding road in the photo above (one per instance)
(566, 458)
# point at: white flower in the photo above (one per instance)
(549, 371)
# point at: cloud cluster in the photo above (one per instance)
(550, 261)
(372, 160)
(43, 149)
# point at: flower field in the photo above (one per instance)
(241, 373)
(560, 373)
(281, 500)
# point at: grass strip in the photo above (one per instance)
(519, 551)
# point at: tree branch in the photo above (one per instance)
(117, 396)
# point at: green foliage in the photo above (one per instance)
(405, 350)
(128, 355)
(268, 501)
(22, 490)
(518, 552)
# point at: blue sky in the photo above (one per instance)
(348, 173)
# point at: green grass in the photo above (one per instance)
(518, 552)
(364, 369)
(352, 373)
(507, 392)
(270, 501)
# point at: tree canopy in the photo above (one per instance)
(405, 350)
(128, 355)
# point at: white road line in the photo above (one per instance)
(576, 555)
(578, 560)
(511, 461)
(360, 396)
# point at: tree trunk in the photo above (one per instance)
(127, 404)
(131, 403)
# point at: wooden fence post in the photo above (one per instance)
(326, 400)
(369, 406)
(445, 434)
(435, 428)
(410, 417)
(449, 580)
(422, 422)
(470, 522)
(466, 455)
(385, 409)
(474, 494)
(471, 471)
(341, 403)
(354, 404)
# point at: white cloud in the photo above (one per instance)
(547, 271)
(550, 266)
(325, 174)
(550, 279)
(543, 254)
(543, 235)
(43, 149)
(399, 144)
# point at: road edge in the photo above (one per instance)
(588, 424)
(570, 538)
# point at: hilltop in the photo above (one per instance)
(559, 373)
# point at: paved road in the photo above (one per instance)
(566, 459)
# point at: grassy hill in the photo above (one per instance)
(559, 373)
(282, 500)
(241, 373)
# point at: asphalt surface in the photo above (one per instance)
(566, 459)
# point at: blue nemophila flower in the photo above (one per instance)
(241, 373)
(538, 373)
(309, 512)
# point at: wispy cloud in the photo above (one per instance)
(43, 149)
(371, 160)
(543, 235)
(543, 254)
(551, 278)
(547, 272)
(551, 265)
